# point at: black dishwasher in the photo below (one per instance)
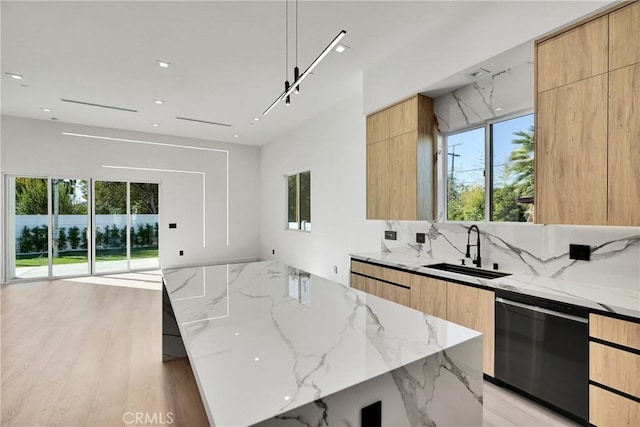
(542, 349)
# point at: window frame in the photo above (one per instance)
(299, 222)
(488, 164)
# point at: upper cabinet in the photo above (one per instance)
(624, 41)
(574, 55)
(587, 124)
(401, 143)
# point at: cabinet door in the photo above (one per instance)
(358, 282)
(403, 117)
(397, 294)
(378, 180)
(378, 126)
(571, 148)
(611, 367)
(624, 42)
(610, 409)
(403, 191)
(429, 295)
(577, 54)
(624, 146)
(475, 309)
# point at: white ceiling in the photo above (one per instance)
(227, 59)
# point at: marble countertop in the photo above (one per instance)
(264, 338)
(594, 297)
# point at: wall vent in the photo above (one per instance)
(203, 121)
(91, 104)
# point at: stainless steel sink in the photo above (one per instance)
(469, 271)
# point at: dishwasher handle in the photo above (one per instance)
(542, 310)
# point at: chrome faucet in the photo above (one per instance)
(477, 260)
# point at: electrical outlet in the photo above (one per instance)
(181, 253)
(335, 269)
(421, 237)
(390, 235)
(580, 252)
(173, 225)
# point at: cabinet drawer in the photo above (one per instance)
(397, 276)
(614, 368)
(394, 293)
(615, 330)
(367, 269)
(608, 409)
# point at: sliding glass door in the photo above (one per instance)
(59, 227)
(111, 229)
(28, 228)
(69, 227)
(144, 225)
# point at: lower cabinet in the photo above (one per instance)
(461, 304)
(429, 295)
(475, 309)
(614, 370)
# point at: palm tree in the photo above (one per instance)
(521, 162)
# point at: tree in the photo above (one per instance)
(520, 162)
(111, 197)
(62, 239)
(25, 241)
(31, 197)
(506, 206)
(144, 198)
(74, 237)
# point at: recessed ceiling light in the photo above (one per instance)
(46, 109)
(499, 109)
(341, 48)
(163, 64)
(155, 125)
(257, 119)
(236, 136)
(158, 101)
(287, 398)
(256, 359)
(14, 76)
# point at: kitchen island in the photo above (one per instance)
(271, 345)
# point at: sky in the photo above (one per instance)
(469, 148)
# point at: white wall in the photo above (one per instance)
(333, 147)
(38, 148)
(492, 27)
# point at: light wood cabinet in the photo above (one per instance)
(624, 43)
(615, 330)
(614, 368)
(400, 169)
(403, 117)
(624, 144)
(607, 409)
(358, 282)
(574, 55)
(475, 309)
(397, 294)
(587, 124)
(571, 139)
(429, 295)
(403, 196)
(378, 127)
(378, 180)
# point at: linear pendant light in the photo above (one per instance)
(304, 75)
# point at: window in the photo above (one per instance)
(509, 144)
(299, 201)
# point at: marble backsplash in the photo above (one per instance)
(541, 250)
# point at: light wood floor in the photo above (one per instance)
(83, 354)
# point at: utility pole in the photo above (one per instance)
(453, 157)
